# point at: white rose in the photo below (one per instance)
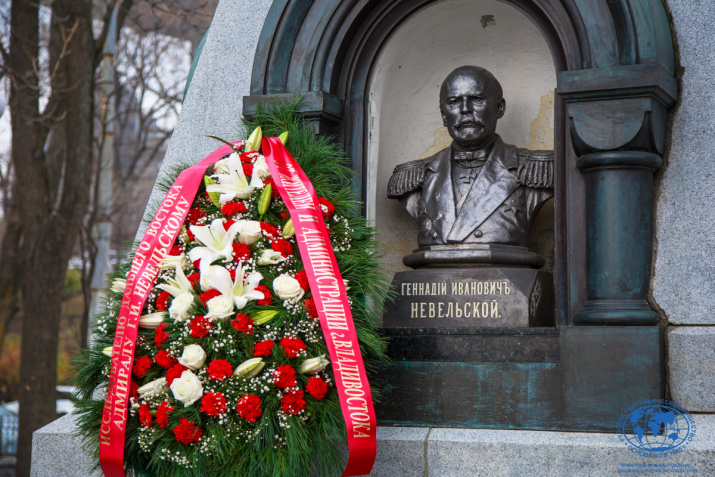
(219, 307)
(249, 232)
(187, 388)
(193, 356)
(260, 168)
(180, 306)
(270, 257)
(287, 288)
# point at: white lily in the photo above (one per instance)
(313, 365)
(151, 320)
(249, 368)
(171, 261)
(177, 285)
(118, 285)
(152, 387)
(217, 241)
(234, 184)
(270, 257)
(240, 290)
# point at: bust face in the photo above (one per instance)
(471, 104)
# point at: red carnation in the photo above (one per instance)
(292, 402)
(162, 414)
(196, 264)
(263, 348)
(145, 415)
(219, 369)
(249, 407)
(141, 366)
(247, 169)
(270, 231)
(310, 308)
(285, 215)
(317, 388)
(302, 278)
(195, 279)
(241, 252)
(327, 207)
(292, 346)
(233, 208)
(227, 224)
(191, 235)
(160, 335)
(187, 432)
(174, 372)
(175, 250)
(232, 274)
(282, 246)
(267, 297)
(248, 157)
(164, 359)
(213, 404)
(162, 301)
(243, 323)
(274, 189)
(195, 213)
(133, 389)
(200, 327)
(206, 296)
(284, 377)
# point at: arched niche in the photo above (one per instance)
(614, 65)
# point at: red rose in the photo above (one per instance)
(187, 432)
(270, 231)
(227, 224)
(164, 359)
(233, 208)
(174, 372)
(145, 415)
(284, 377)
(247, 169)
(200, 327)
(195, 279)
(206, 296)
(310, 308)
(133, 389)
(141, 366)
(317, 388)
(267, 297)
(292, 402)
(243, 323)
(292, 346)
(249, 407)
(160, 335)
(219, 369)
(302, 278)
(162, 414)
(327, 207)
(195, 213)
(282, 246)
(175, 250)
(263, 348)
(241, 252)
(274, 189)
(162, 301)
(213, 404)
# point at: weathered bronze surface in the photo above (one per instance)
(479, 190)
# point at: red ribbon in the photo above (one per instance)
(331, 301)
(155, 245)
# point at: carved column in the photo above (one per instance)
(617, 121)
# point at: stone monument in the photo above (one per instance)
(475, 203)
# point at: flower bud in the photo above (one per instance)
(265, 199)
(170, 262)
(283, 137)
(151, 320)
(264, 316)
(288, 230)
(313, 365)
(152, 387)
(254, 140)
(118, 285)
(249, 368)
(107, 351)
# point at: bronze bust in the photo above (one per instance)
(479, 190)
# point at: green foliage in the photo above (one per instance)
(310, 445)
(73, 283)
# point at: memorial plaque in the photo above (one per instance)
(470, 297)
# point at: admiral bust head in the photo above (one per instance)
(471, 101)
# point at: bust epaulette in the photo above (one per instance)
(536, 168)
(406, 178)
